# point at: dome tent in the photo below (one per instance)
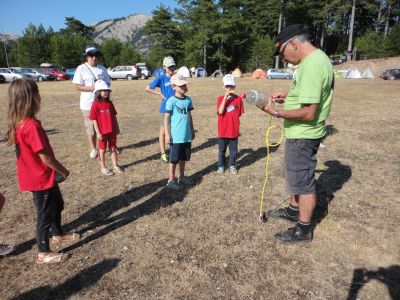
(353, 74)
(237, 73)
(200, 72)
(368, 74)
(157, 72)
(259, 73)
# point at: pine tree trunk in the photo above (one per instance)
(387, 20)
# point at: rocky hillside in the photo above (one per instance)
(127, 29)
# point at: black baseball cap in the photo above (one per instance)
(286, 34)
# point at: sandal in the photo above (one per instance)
(118, 170)
(68, 237)
(51, 258)
(106, 172)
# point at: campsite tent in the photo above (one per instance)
(237, 73)
(184, 71)
(217, 73)
(259, 73)
(200, 72)
(353, 74)
(157, 72)
(368, 74)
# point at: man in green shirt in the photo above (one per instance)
(306, 106)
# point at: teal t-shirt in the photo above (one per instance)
(313, 83)
(180, 129)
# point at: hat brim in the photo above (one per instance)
(97, 53)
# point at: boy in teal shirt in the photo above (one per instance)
(179, 131)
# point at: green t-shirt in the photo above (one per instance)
(312, 83)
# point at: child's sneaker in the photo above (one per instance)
(233, 170)
(173, 185)
(164, 157)
(185, 180)
(220, 170)
(93, 153)
(6, 249)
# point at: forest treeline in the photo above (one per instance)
(222, 34)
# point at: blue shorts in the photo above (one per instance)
(179, 151)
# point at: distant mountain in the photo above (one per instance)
(127, 29)
(8, 37)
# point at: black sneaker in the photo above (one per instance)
(293, 235)
(6, 249)
(281, 213)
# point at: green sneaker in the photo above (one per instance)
(164, 157)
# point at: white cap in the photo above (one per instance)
(101, 85)
(168, 61)
(178, 80)
(228, 79)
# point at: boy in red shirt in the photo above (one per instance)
(229, 109)
(103, 115)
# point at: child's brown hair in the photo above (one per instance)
(23, 102)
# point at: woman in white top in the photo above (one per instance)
(85, 77)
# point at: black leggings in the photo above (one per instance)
(49, 205)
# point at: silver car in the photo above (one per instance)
(124, 72)
(10, 75)
(36, 75)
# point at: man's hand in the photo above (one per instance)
(278, 97)
(99, 136)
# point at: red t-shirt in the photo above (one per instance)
(33, 174)
(228, 121)
(104, 113)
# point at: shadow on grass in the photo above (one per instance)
(139, 144)
(330, 181)
(52, 131)
(207, 144)
(82, 280)
(389, 276)
(103, 213)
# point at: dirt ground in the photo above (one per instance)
(143, 242)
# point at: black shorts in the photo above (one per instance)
(299, 165)
(179, 151)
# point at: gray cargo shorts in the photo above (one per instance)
(299, 165)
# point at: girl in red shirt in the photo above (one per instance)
(38, 170)
(103, 115)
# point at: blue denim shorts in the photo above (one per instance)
(299, 165)
(179, 151)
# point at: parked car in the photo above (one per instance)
(390, 74)
(144, 70)
(338, 59)
(125, 72)
(10, 75)
(58, 73)
(2, 79)
(70, 72)
(279, 74)
(36, 75)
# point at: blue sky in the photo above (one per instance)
(17, 14)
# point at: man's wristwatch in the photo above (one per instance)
(275, 113)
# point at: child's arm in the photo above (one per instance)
(167, 118)
(53, 163)
(97, 129)
(154, 91)
(117, 131)
(191, 126)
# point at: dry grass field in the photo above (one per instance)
(143, 242)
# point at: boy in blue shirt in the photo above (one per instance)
(179, 131)
(166, 91)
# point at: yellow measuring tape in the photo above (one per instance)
(270, 126)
